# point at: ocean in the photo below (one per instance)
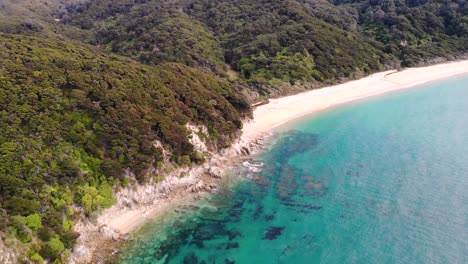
(378, 180)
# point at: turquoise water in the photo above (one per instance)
(383, 180)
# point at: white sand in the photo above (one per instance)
(281, 110)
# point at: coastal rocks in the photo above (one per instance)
(111, 233)
(243, 148)
(215, 172)
(83, 253)
(106, 231)
(8, 254)
(254, 168)
(253, 165)
(95, 243)
(202, 187)
(152, 193)
(245, 151)
(142, 200)
(198, 187)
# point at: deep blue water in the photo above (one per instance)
(382, 180)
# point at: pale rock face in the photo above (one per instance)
(215, 172)
(82, 253)
(158, 144)
(7, 255)
(195, 139)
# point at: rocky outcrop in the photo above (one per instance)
(82, 253)
(8, 254)
(98, 236)
(201, 186)
(198, 136)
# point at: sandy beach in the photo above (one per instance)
(152, 200)
(281, 110)
(284, 109)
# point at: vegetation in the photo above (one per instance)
(414, 30)
(74, 119)
(150, 31)
(87, 88)
(280, 40)
(269, 42)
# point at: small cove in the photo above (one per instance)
(378, 180)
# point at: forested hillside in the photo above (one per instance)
(72, 120)
(88, 89)
(270, 42)
(414, 30)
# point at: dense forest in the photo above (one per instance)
(73, 120)
(88, 89)
(270, 42)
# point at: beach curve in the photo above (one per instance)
(281, 110)
(278, 111)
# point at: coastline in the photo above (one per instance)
(281, 110)
(136, 206)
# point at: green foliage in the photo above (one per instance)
(151, 31)
(36, 258)
(19, 229)
(282, 40)
(67, 225)
(93, 199)
(52, 249)
(34, 221)
(197, 157)
(72, 119)
(414, 31)
(56, 245)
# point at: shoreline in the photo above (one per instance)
(135, 206)
(101, 237)
(282, 110)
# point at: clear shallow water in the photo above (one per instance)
(383, 180)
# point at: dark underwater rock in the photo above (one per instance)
(198, 243)
(287, 185)
(234, 234)
(269, 217)
(210, 231)
(273, 232)
(258, 212)
(191, 258)
(314, 187)
(306, 206)
(228, 261)
(232, 245)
